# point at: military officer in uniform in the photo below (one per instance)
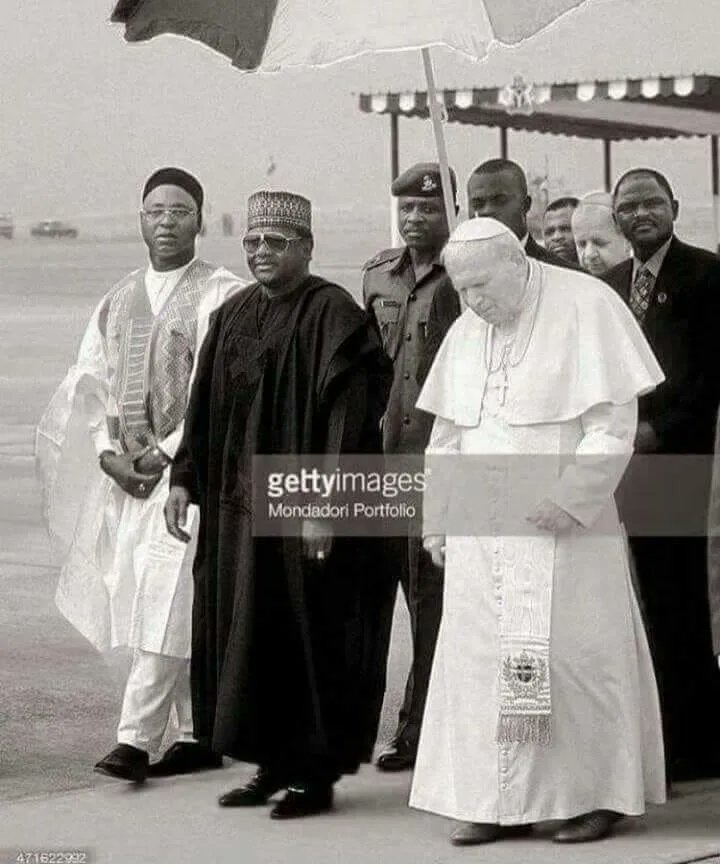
(398, 288)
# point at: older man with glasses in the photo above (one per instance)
(288, 633)
(105, 447)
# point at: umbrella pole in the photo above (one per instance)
(437, 124)
(715, 190)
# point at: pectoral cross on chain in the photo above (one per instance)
(503, 387)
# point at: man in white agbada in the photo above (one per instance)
(103, 450)
(542, 702)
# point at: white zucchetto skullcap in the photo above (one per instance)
(480, 229)
(466, 244)
(599, 198)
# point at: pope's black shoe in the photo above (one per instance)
(185, 757)
(476, 833)
(588, 827)
(398, 755)
(255, 793)
(125, 763)
(303, 800)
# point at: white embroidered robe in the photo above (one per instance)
(606, 741)
(124, 581)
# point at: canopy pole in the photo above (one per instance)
(503, 142)
(607, 164)
(715, 189)
(437, 123)
(395, 239)
(394, 147)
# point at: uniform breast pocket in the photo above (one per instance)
(387, 314)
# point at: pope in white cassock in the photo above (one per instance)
(104, 446)
(542, 702)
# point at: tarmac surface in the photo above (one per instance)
(59, 712)
(178, 820)
(59, 699)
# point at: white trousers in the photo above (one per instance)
(156, 686)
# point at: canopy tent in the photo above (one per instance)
(648, 80)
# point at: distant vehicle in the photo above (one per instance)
(7, 227)
(54, 229)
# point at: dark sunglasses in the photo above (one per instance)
(274, 241)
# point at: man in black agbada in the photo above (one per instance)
(289, 639)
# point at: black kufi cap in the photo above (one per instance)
(178, 178)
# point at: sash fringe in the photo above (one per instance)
(524, 729)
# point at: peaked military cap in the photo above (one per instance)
(422, 180)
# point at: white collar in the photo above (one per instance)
(168, 276)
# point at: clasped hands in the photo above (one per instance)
(545, 516)
(136, 472)
(550, 517)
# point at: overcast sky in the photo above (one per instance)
(84, 117)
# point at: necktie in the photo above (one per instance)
(641, 293)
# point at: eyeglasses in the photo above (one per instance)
(154, 215)
(274, 241)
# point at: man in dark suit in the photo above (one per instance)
(498, 189)
(674, 291)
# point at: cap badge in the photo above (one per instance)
(429, 183)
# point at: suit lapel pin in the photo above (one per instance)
(662, 298)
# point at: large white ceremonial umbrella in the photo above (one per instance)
(271, 35)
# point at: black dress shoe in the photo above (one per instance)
(588, 827)
(396, 756)
(302, 800)
(185, 757)
(125, 763)
(255, 793)
(475, 833)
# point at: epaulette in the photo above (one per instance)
(383, 257)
